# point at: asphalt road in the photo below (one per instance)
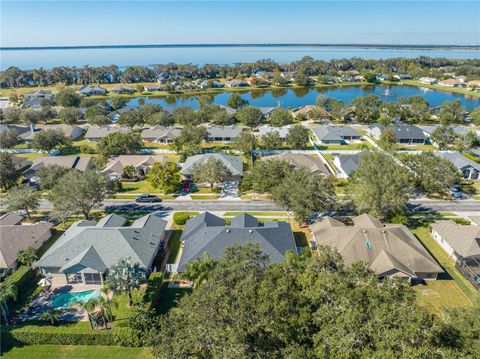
(218, 205)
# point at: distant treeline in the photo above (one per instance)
(421, 66)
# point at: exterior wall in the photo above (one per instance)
(445, 246)
(375, 133)
(340, 172)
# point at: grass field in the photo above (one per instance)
(441, 294)
(364, 145)
(76, 352)
(462, 91)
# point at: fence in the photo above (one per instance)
(470, 268)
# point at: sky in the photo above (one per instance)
(60, 23)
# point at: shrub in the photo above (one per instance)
(462, 221)
(181, 217)
(87, 149)
(21, 277)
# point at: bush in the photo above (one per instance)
(181, 217)
(462, 221)
(87, 149)
(21, 278)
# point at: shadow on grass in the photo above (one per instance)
(169, 298)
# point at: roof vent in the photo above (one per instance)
(384, 231)
(227, 230)
(250, 231)
(364, 231)
(368, 244)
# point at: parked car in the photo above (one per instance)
(186, 186)
(147, 198)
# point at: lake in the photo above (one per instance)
(48, 58)
(300, 97)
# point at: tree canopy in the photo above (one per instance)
(164, 176)
(119, 143)
(8, 173)
(210, 171)
(48, 140)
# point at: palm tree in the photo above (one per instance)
(107, 303)
(89, 306)
(7, 292)
(126, 276)
(52, 315)
(27, 256)
(197, 270)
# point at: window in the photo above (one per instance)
(75, 278)
(92, 278)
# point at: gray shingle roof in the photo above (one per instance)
(334, 133)
(80, 163)
(208, 233)
(224, 131)
(349, 163)
(233, 163)
(157, 132)
(95, 132)
(297, 160)
(100, 245)
(458, 159)
(404, 132)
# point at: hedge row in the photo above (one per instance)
(39, 335)
(180, 218)
(20, 278)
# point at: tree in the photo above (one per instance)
(160, 118)
(245, 142)
(433, 175)
(22, 198)
(79, 191)
(367, 108)
(118, 102)
(443, 136)
(12, 115)
(267, 174)
(48, 140)
(8, 173)
(119, 143)
(370, 78)
(451, 112)
(99, 120)
(30, 116)
(68, 98)
(236, 101)
(302, 80)
(380, 186)
(49, 175)
(164, 176)
(126, 276)
(466, 141)
(388, 139)
(129, 172)
(186, 116)
(27, 256)
(189, 139)
(475, 115)
(303, 192)
(7, 292)
(70, 115)
(223, 118)
(271, 141)
(88, 306)
(130, 119)
(210, 171)
(297, 137)
(281, 117)
(250, 116)
(51, 315)
(106, 303)
(9, 138)
(197, 270)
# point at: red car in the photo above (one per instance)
(186, 186)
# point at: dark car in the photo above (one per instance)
(147, 198)
(186, 186)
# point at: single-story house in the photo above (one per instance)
(335, 134)
(80, 163)
(70, 131)
(115, 115)
(302, 111)
(469, 168)
(15, 237)
(233, 163)
(428, 80)
(87, 90)
(223, 133)
(405, 134)
(451, 83)
(474, 84)
(299, 160)
(141, 163)
(236, 83)
(205, 84)
(123, 89)
(83, 254)
(390, 250)
(207, 233)
(265, 129)
(461, 242)
(346, 164)
(458, 130)
(153, 88)
(21, 130)
(20, 162)
(160, 134)
(266, 111)
(36, 99)
(96, 133)
(402, 77)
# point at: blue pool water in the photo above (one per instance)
(65, 299)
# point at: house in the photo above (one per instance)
(206, 84)
(207, 233)
(115, 115)
(83, 254)
(124, 89)
(87, 90)
(21, 130)
(15, 237)
(470, 169)
(400, 77)
(236, 83)
(299, 160)
(153, 88)
(233, 163)
(36, 99)
(80, 163)
(458, 130)
(302, 111)
(141, 163)
(405, 134)
(160, 134)
(266, 111)
(428, 80)
(450, 83)
(223, 133)
(70, 131)
(461, 242)
(474, 84)
(390, 250)
(20, 162)
(335, 134)
(346, 164)
(265, 129)
(96, 133)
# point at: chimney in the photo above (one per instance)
(32, 127)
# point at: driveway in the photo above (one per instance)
(229, 190)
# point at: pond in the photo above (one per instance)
(304, 96)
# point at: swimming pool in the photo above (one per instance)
(65, 299)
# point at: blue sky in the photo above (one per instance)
(42, 23)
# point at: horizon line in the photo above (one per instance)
(346, 45)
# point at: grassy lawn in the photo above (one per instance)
(440, 294)
(364, 145)
(203, 197)
(423, 234)
(138, 187)
(416, 148)
(443, 88)
(76, 352)
(170, 298)
(31, 156)
(174, 245)
(263, 214)
(329, 158)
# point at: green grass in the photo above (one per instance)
(423, 234)
(138, 187)
(174, 246)
(170, 298)
(203, 197)
(364, 145)
(441, 294)
(76, 352)
(263, 214)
